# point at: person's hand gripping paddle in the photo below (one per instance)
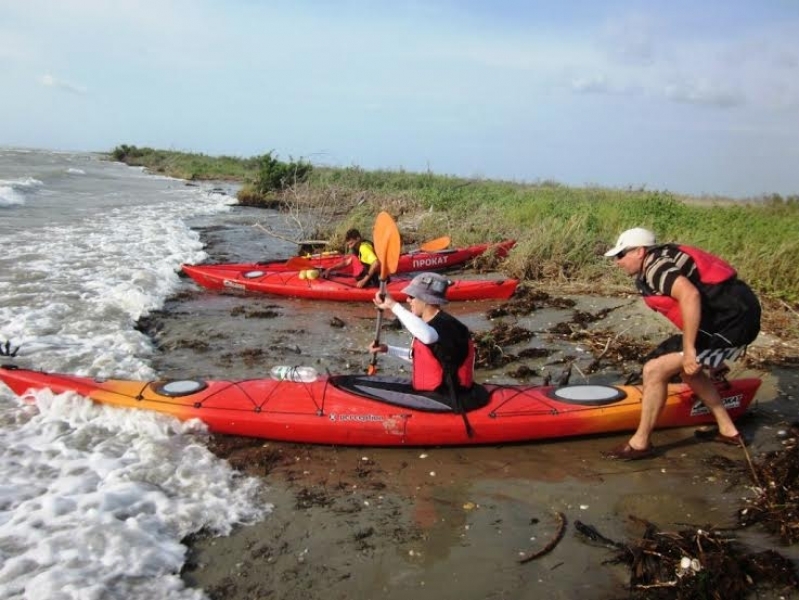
(387, 247)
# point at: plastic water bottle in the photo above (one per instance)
(300, 374)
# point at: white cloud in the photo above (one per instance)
(589, 85)
(704, 93)
(48, 80)
(408, 76)
(684, 60)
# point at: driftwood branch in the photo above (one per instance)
(788, 306)
(285, 239)
(654, 586)
(552, 543)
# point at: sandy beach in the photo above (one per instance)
(443, 522)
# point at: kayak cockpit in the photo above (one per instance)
(398, 391)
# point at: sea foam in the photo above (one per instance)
(12, 192)
(96, 499)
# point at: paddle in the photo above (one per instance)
(387, 247)
(436, 244)
(298, 263)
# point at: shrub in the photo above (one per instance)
(274, 175)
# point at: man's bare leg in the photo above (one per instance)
(703, 387)
(657, 373)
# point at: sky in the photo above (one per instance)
(698, 98)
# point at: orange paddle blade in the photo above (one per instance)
(298, 263)
(387, 244)
(436, 244)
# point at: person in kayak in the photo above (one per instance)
(361, 260)
(718, 315)
(442, 350)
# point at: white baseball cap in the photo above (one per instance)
(632, 238)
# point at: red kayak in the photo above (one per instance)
(418, 260)
(359, 410)
(336, 287)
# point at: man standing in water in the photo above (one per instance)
(362, 260)
(718, 315)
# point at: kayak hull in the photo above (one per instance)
(418, 260)
(338, 288)
(324, 412)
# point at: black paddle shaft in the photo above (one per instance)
(379, 326)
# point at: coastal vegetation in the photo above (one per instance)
(561, 231)
(186, 165)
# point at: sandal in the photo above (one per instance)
(714, 435)
(731, 440)
(627, 452)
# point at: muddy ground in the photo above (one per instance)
(454, 522)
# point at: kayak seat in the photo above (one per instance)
(399, 392)
(175, 388)
(587, 394)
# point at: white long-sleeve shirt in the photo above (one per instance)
(418, 329)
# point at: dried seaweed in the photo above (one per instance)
(776, 503)
(696, 564)
(489, 344)
(526, 300)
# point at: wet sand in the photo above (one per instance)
(439, 522)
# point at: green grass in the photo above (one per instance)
(561, 231)
(187, 165)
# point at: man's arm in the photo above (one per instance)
(367, 256)
(690, 302)
(373, 268)
(419, 329)
(339, 265)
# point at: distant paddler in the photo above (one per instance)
(361, 259)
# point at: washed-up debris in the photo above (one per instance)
(565, 375)
(561, 519)
(306, 498)
(270, 311)
(776, 503)
(591, 535)
(523, 373)
(693, 564)
(535, 353)
(505, 335)
(490, 353)
(526, 300)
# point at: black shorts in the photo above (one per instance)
(711, 351)
(730, 322)
(374, 280)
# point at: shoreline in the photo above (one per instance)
(389, 523)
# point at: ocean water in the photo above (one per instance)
(94, 501)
